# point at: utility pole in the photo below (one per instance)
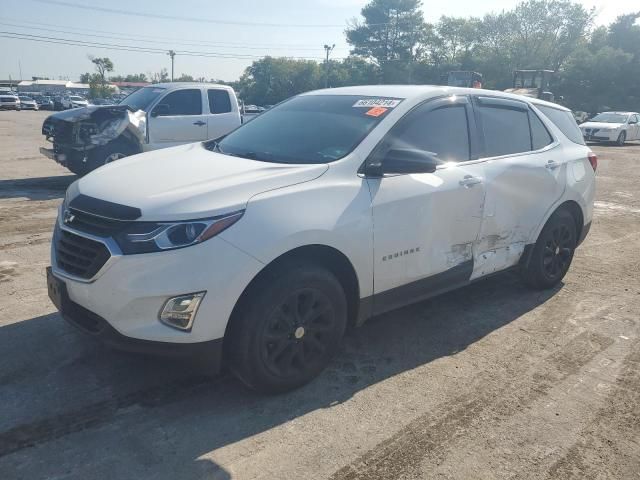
(328, 49)
(20, 68)
(172, 54)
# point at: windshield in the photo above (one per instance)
(142, 98)
(610, 118)
(26, 99)
(307, 129)
(76, 98)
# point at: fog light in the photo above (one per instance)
(179, 312)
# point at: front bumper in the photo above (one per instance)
(601, 136)
(97, 327)
(130, 290)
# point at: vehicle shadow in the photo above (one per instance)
(198, 415)
(39, 188)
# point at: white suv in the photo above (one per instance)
(262, 247)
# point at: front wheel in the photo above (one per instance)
(621, 139)
(108, 153)
(552, 253)
(288, 328)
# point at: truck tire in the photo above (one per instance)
(112, 151)
(552, 253)
(288, 328)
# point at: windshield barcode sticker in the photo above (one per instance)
(377, 102)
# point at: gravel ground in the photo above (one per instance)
(492, 381)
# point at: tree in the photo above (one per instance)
(159, 77)
(390, 36)
(103, 65)
(85, 77)
(184, 78)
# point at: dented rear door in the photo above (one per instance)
(523, 181)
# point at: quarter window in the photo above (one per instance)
(540, 136)
(443, 132)
(184, 102)
(506, 130)
(563, 119)
(219, 101)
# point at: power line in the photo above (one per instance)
(153, 39)
(182, 18)
(131, 48)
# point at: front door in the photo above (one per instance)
(177, 118)
(425, 224)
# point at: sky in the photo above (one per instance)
(231, 33)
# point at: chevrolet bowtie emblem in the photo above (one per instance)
(68, 217)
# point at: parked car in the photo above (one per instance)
(260, 248)
(249, 112)
(27, 103)
(617, 127)
(73, 101)
(158, 116)
(44, 103)
(9, 102)
(102, 101)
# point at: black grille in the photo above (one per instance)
(79, 256)
(60, 130)
(93, 224)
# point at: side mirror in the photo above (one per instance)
(405, 161)
(633, 122)
(160, 110)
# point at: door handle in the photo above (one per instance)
(199, 123)
(470, 181)
(551, 165)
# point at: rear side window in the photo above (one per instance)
(443, 132)
(184, 102)
(540, 136)
(219, 101)
(564, 121)
(506, 130)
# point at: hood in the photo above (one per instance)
(600, 125)
(87, 112)
(189, 182)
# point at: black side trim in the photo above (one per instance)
(584, 233)
(103, 208)
(422, 289)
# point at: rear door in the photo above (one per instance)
(525, 176)
(222, 116)
(178, 118)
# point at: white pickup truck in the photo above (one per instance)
(153, 117)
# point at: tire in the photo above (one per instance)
(112, 151)
(621, 139)
(287, 329)
(552, 253)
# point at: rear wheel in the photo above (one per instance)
(621, 139)
(552, 253)
(288, 328)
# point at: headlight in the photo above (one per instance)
(146, 237)
(109, 131)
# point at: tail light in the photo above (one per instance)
(593, 160)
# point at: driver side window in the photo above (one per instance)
(442, 133)
(183, 102)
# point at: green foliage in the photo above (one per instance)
(136, 77)
(390, 36)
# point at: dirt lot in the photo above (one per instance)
(493, 381)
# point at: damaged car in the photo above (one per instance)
(153, 117)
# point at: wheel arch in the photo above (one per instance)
(329, 257)
(573, 208)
